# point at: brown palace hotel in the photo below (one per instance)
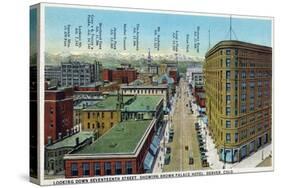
(238, 78)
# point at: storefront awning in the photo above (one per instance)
(156, 141)
(153, 149)
(148, 161)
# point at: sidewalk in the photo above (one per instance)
(159, 162)
(249, 162)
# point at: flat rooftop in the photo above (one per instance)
(70, 141)
(238, 44)
(109, 103)
(123, 138)
(85, 104)
(159, 86)
(144, 103)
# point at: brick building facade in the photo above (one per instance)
(122, 75)
(111, 155)
(58, 114)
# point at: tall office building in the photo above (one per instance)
(238, 79)
(75, 73)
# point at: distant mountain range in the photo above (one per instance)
(115, 59)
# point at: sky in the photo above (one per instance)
(251, 30)
(32, 28)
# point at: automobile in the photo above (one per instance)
(171, 137)
(203, 155)
(168, 150)
(199, 116)
(202, 149)
(199, 131)
(167, 159)
(191, 160)
(205, 163)
(201, 143)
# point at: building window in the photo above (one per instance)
(227, 51)
(50, 140)
(227, 124)
(243, 85)
(227, 111)
(88, 125)
(107, 168)
(236, 137)
(93, 126)
(243, 108)
(243, 74)
(111, 124)
(236, 123)
(227, 62)
(89, 115)
(97, 169)
(129, 168)
(252, 85)
(74, 169)
(118, 168)
(227, 74)
(252, 106)
(236, 75)
(252, 74)
(243, 97)
(102, 115)
(111, 115)
(252, 94)
(228, 138)
(228, 99)
(227, 87)
(86, 169)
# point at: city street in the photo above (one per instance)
(184, 144)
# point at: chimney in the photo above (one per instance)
(77, 141)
